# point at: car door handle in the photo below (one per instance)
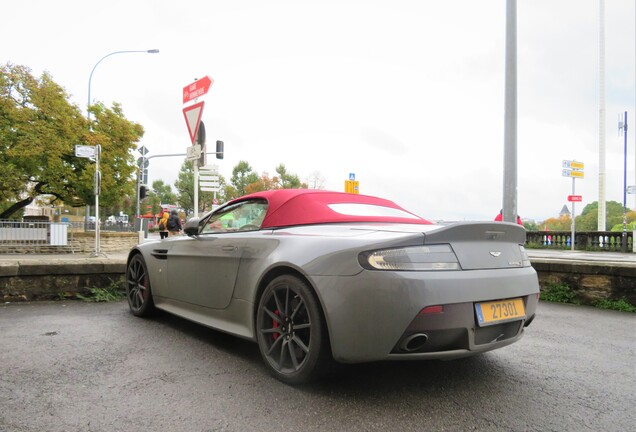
(229, 248)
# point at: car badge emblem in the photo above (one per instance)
(495, 253)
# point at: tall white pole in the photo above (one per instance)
(601, 119)
(510, 116)
(98, 185)
(196, 188)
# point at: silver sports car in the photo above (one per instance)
(315, 277)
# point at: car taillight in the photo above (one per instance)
(525, 260)
(414, 258)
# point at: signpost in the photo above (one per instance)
(209, 180)
(197, 88)
(192, 115)
(574, 170)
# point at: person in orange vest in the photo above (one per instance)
(163, 224)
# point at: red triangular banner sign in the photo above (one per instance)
(192, 115)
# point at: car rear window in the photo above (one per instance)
(356, 209)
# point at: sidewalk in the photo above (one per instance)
(626, 259)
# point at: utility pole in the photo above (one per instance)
(510, 116)
(622, 127)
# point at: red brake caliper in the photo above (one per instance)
(275, 324)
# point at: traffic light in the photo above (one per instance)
(219, 149)
(143, 190)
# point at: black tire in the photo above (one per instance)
(138, 290)
(291, 332)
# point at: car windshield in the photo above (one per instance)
(355, 209)
(242, 216)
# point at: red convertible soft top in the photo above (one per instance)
(288, 207)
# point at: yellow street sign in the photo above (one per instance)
(572, 173)
(573, 165)
(352, 186)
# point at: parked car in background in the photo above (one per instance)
(316, 277)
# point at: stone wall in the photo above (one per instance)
(591, 282)
(26, 280)
(108, 241)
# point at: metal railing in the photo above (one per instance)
(584, 240)
(16, 236)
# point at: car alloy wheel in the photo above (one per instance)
(290, 330)
(138, 287)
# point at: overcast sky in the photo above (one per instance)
(407, 95)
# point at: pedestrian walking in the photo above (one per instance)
(163, 224)
(174, 223)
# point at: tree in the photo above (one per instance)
(315, 180)
(263, 183)
(562, 223)
(164, 192)
(588, 219)
(38, 131)
(242, 176)
(287, 180)
(185, 190)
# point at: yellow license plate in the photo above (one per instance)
(499, 311)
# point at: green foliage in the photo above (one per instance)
(621, 305)
(559, 293)
(531, 226)
(619, 227)
(185, 190)
(588, 219)
(113, 292)
(39, 129)
(163, 192)
(242, 176)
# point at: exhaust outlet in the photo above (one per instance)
(414, 342)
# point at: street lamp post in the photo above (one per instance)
(622, 126)
(98, 149)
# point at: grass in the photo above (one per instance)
(113, 292)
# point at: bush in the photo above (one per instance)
(559, 293)
(619, 305)
(113, 292)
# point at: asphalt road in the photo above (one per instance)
(74, 366)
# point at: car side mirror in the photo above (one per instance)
(191, 227)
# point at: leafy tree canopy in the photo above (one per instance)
(185, 190)
(39, 129)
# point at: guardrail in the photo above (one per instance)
(611, 241)
(36, 235)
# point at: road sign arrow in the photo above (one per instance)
(197, 88)
(192, 115)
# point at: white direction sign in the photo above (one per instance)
(213, 168)
(206, 177)
(210, 189)
(192, 115)
(84, 151)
